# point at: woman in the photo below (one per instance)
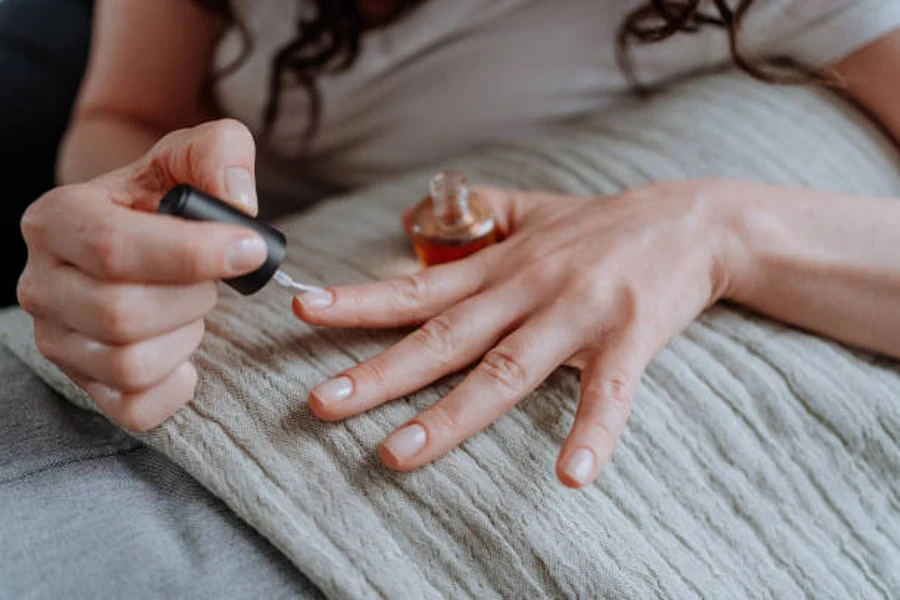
(347, 93)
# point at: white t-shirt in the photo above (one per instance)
(455, 74)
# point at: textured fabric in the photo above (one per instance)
(758, 461)
(450, 76)
(86, 511)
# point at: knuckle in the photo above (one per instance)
(615, 390)
(537, 268)
(173, 138)
(230, 131)
(203, 153)
(191, 153)
(588, 291)
(442, 418)
(154, 174)
(32, 223)
(192, 261)
(436, 335)
(353, 297)
(532, 277)
(373, 372)
(410, 291)
(618, 390)
(190, 161)
(28, 292)
(170, 143)
(534, 250)
(505, 369)
(106, 244)
(128, 368)
(629, 306)
(117, 314)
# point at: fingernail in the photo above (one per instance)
(241, 188)
(103, 395)
(334, 390)
(316, 299)
(580, 466)
(246, 254)
(405, 442)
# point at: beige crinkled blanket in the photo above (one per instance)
(759, 461)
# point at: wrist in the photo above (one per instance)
(741, 225)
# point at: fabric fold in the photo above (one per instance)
(759, 460)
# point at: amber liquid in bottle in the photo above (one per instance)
(451, 222)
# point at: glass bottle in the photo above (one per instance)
(451, 222)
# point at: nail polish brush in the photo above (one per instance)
(190, 203)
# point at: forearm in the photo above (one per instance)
(147, 75)
(97, 145)
(826, 262)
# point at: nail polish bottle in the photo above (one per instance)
(451, 222)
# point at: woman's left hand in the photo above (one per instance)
(597, 283)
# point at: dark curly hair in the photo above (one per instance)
(328, 41)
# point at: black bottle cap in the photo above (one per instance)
(190, 203)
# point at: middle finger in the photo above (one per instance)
(443, 345)
(122, 313)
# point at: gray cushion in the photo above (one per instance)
(87, 511)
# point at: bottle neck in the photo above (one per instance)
(450, 199)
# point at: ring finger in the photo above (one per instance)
(129, 368)
(123, 313)
(508, 373)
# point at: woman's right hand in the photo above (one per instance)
(118, 293)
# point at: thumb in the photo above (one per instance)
(217, 157)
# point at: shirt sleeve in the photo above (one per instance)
(817, 33)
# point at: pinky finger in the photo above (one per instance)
(608, 385)
(147, 409)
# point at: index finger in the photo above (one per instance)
(406, 300)
(115, 243)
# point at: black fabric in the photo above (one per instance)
(43, 52)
